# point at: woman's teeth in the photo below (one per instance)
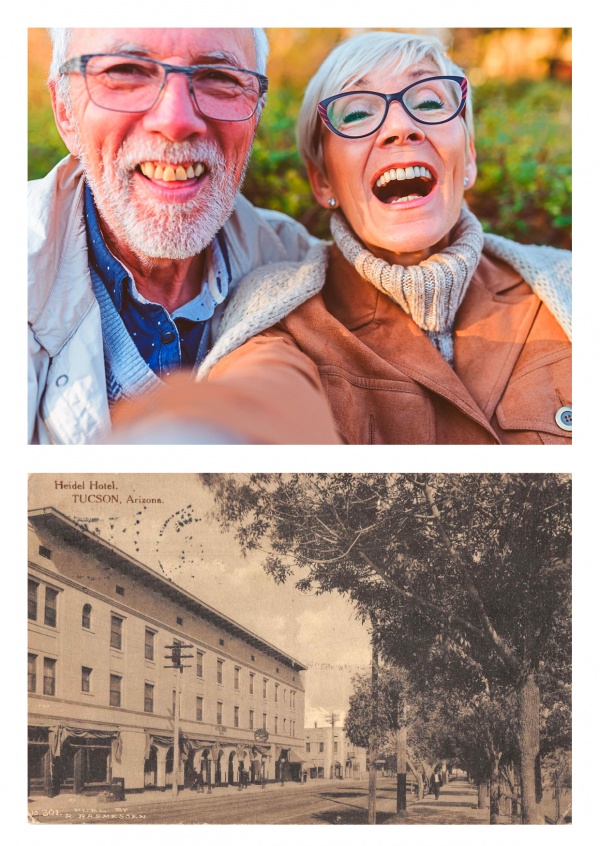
(171, 173)
(403, 173)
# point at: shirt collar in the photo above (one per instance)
(115, 276)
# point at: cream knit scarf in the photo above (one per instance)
(430, 292)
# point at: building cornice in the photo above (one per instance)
(78, 536)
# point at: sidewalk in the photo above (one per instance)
(457, 805)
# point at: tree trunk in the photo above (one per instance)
(372, 751)
(495, 791)
(528, 733)
(481, 794)
(401, 738)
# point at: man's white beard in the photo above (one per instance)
(160, 229)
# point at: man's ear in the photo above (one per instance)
(64, 120)
(320, 185)
(470, 163)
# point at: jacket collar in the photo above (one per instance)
(58, 258)
(484, 358)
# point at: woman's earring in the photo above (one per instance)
(332, 202)
(466, 181)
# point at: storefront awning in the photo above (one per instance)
(296, 757)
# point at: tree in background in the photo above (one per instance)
(473, 565)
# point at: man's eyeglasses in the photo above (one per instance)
(356, 114)
(123, 82)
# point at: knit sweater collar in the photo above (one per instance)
(430, 292)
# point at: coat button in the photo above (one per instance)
(168, 337)
(564, 418)
(62, 380)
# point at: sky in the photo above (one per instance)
(178, 538)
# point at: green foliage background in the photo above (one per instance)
(523, 141)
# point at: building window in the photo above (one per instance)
(264, 688)
(284, 694)
(31, 673)
(86, 616)
(251, 683)
(180, 621)
(45, 552)
(284, 725)
(277, 670)
(221, 642)
(199, 708)
(251, 720)
(174, 702)
(276, 692)
(219, 713)
(252, 658)
(149, 645)
(236, 678)
(293, 728)
(335, 747)
(49, 677)
(115, 691)
(275, 726)
(199, 664)
(120, 590)
(32, 592)
(321, 747)
(50, 607)
(292, 699)
(308, 747)
(265, 722)
(86, 679)
(236, 716)
(116, 632)
(149, 698)
(219, 672)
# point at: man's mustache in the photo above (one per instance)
(133, 153)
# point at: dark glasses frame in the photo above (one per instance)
(78, 64)
(398, 97)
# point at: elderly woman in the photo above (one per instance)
(421, 329)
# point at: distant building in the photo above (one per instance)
(101, 700)
(329, 754)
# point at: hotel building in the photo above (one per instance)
(103, 689)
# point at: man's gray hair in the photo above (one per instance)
(61, 39)
(357, 57)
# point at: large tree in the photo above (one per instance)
(475, 565)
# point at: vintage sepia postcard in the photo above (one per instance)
(308, 649)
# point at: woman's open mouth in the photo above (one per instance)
(402, 185)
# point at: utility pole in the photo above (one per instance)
(176, 657)
(372, 751)
(332, 718)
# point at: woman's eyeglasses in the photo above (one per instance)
(356, 114)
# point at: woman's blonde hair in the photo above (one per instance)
(353, 59)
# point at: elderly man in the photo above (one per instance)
(139, 236)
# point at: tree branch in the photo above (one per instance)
(498, 642)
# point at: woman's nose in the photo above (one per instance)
(175, 114)
(399, 127)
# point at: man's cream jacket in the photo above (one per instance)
(66, 379)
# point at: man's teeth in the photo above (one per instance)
(403, 173)
(171, 173)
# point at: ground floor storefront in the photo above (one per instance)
(85, 758)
